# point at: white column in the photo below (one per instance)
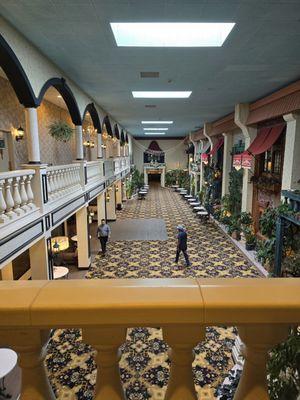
(145, 177)
(163, 177)
(201, 180)
(101, 207)
(84, 259)
(39, 265)
(99, 145)
(32, 135)
(227, 162)
(79, 142)
(111, 204)
(240, 119)
(291, 162)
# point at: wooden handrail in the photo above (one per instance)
(136, 302)
(262, 309)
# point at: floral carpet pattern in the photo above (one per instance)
(144, 365)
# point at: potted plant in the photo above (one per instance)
(250, 239)
(234, 228)
(60, 131)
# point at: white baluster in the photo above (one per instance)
(16, 196)
(55, 183)
(3, 217)
(23, 194)
(49, 185)
(29, 192)
(9, 199)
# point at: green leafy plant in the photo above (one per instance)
(266, 251)
(60, 131)
(284, 368)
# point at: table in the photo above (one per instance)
(74, 238)
(60, 272)
(195, 203)
(8, 361)
(192, 200)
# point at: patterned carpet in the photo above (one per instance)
(144, 365)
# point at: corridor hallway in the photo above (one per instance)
(144, 365)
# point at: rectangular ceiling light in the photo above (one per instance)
(161, 94)
(170, 34)
(154, 133)
(157, 122)
(156, 129)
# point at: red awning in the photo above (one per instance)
(216, 147)
(265, 139)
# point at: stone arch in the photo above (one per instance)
(64, 90)
(16, 75)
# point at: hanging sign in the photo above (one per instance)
(247, 160)
(204, 157)
(237, 161)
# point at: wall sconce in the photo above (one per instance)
(19, 134)
(87, 143)
(117, 189)
(103, 146)
(191, 159)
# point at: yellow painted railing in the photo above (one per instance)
(262, 309)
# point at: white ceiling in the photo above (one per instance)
(260, 55)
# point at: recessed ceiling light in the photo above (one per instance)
(170, 34)
(154, 133)
(155, 129)
(161, 94)
(157, 122)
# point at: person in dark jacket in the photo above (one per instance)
(182, 245)
(103, 234)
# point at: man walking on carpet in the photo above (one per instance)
(103, 234)
(182, 245)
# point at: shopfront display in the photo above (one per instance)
(267, 151)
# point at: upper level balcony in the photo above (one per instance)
(39, 196)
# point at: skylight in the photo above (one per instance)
(157, 122)
(155, 129)
(161, 94)
(170, 34)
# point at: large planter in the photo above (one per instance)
(250, 246)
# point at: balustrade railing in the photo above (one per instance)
(262, 309)
(108, 168)
(16, 195)
(94, 171)
(62, 180)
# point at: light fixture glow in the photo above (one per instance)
(156, 129)
(154, 133)
(157, 122)
(170, 34)
(170, 94)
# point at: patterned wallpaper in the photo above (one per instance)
(12, 115)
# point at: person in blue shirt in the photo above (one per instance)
(103, 234)
(182, 245)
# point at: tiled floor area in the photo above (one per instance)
(144, 365)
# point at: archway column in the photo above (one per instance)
(240, 118)
(101, 214)
(291, 164)
(32, 134)
(227, 162)
(79, 142)
(111, 204)
(99, 145)
(83, 240)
